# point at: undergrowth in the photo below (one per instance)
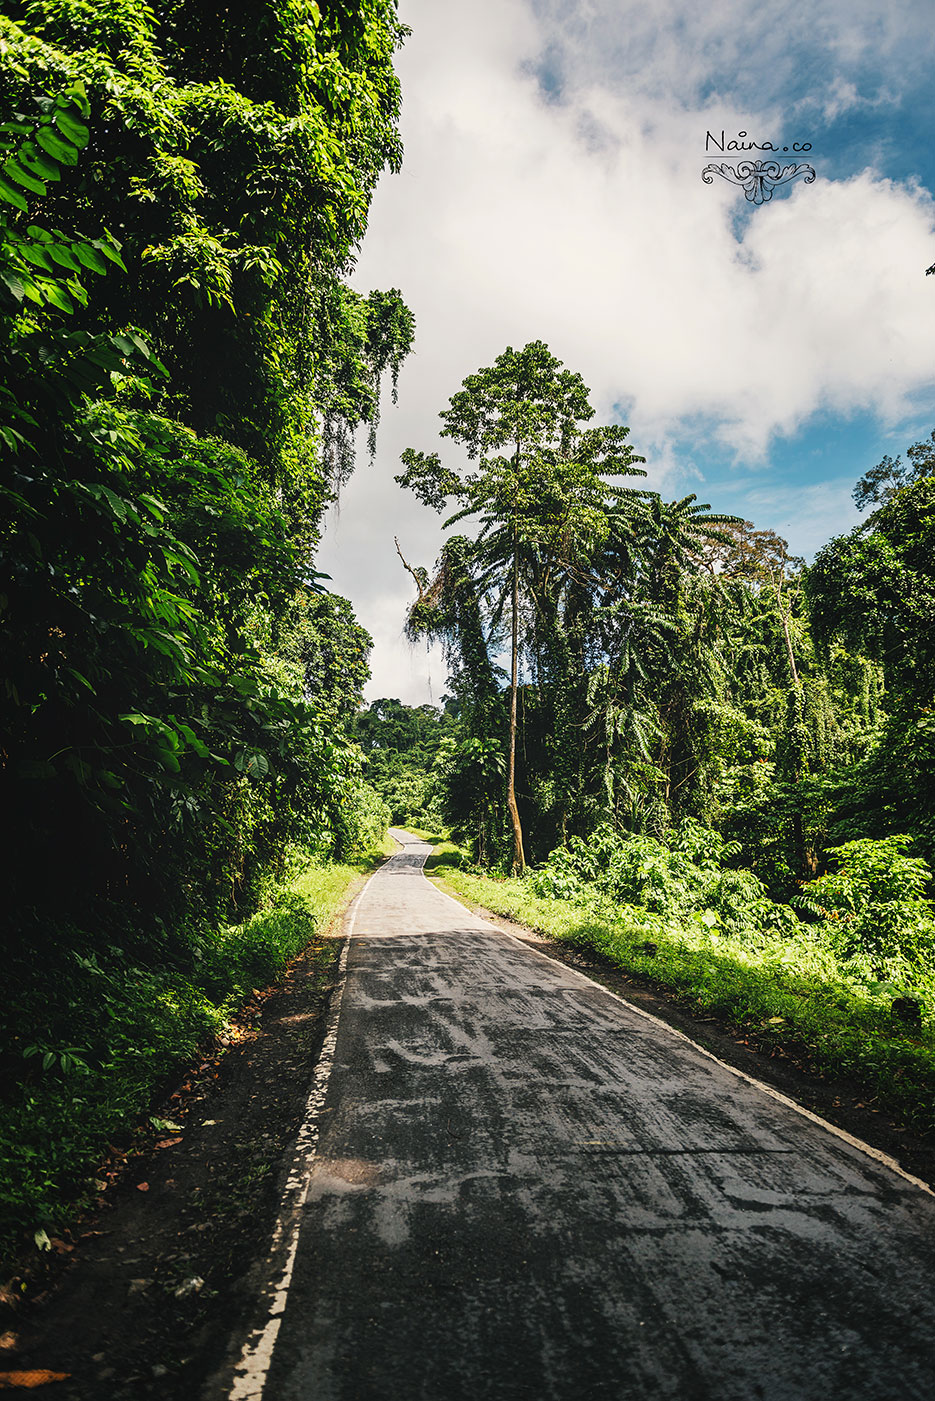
(105, 1037)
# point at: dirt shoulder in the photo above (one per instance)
(837, 1100)
(140, 1298)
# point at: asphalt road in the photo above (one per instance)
(524, 1188)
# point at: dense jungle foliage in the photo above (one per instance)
(184, 366)
(671, 663)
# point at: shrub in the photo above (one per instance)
(873, 903)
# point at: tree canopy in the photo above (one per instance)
(539, 498)
(184, 366)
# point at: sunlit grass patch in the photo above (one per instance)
(437, 836)
(445, 856)
(387, 846)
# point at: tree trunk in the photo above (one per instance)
(805, 859)
(790, 655)
(519, 860)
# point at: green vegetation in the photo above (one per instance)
(444, 856)
(108, 1036)
(666, 662)
(716, 762)
(183, 366)
(404, 747)
(176, 689)
(540, 504)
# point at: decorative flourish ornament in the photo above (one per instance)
(758, 178)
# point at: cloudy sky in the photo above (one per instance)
(763, 357)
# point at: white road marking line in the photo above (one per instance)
(253, 1367)
(875, 1153)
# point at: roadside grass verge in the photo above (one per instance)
(786, 993)
(434, 835)
(445, 856)
(109, 1037)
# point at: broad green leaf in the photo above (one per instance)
(140, 344)
(77, 290)
(32, 158)
(110, 247)
(55, 146)
(38, 256)
(90, 257)
(15, 171)
(15, 283)
(155, 507)
(76, 96)
(57, 296)
(70, 127)
(106, 358)
(12, 195)
(64, 257)
(252, 762)
(118, 506)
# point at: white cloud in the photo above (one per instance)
(843, 96)
(585, 223)
(758, 50)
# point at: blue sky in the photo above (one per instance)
(763, 357)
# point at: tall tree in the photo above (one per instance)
(538, 496)
(875, 589)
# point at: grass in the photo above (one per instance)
(386, 847)
(425, 834)
(130, 1030)
(788, 994)
(446, 856)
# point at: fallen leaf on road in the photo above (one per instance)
(26, 1380)
(167, 1142)
(142, 1186)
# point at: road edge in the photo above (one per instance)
(244, 1379)
(876, 1154)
